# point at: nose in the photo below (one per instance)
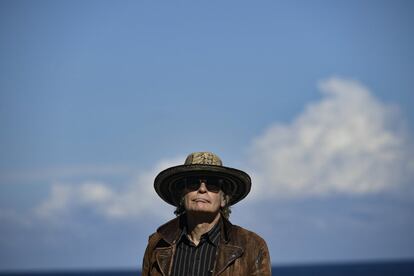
(203, 187)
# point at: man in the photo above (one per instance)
(201, 240)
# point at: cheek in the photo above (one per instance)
(187, 200)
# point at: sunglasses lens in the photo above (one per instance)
(213, 184)
(192, 185)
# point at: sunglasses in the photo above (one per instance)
(213, 184)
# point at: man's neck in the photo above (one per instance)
(197, 225)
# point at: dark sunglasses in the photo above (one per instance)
(213, 184)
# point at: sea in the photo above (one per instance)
(400, 268)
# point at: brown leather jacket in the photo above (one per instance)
(240, 252)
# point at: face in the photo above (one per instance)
(198, 197)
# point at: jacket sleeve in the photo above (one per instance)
(262, 261)
(145, 263)
(147, 257)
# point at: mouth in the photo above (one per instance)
(203, 200)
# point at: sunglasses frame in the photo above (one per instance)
(212, 183)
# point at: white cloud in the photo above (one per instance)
(136, 199)
(348, 142)
(95, 192)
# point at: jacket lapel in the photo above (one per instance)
(164, 252)
(163, 257)
(227, 253)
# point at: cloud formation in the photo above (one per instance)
(349, 142)
(136, 199)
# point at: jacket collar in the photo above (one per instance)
(170, 231)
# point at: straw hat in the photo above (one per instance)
(206, 164)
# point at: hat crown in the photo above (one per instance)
(203, 158)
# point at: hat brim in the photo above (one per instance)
(165, 182)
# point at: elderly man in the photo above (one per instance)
(200, 240)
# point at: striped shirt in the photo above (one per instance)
(192, 260)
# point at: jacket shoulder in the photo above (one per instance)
(153, 237)
(256, 253)
(165, 234)
(155, 240)
(239, 232)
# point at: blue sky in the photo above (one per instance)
(313, 99)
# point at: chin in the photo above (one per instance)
(202, 210)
